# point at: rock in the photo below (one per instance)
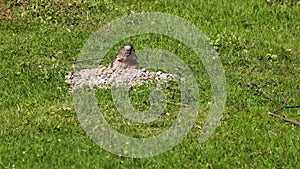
(68, 81)
(158, 73)
(109, 71)
(104, 76)
(100, 70)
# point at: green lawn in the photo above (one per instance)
(258, 44)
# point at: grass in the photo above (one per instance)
(258, 43)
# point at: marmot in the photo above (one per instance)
(126, 58)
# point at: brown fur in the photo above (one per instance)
(126, 58)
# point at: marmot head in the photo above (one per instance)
(126, 58)
(127, 49)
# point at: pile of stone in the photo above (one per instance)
(133, 77)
